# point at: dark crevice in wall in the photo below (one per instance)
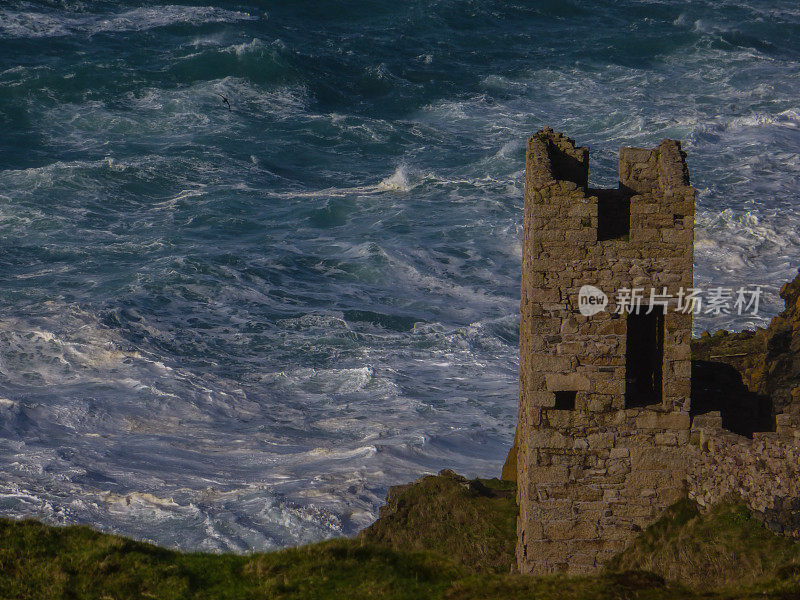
(565, 400)
(717, 386)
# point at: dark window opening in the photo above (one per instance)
(644, 357)
(613, 214)
(565, 400)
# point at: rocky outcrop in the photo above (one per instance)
(509, 472)
(767, 359)
(472, 521)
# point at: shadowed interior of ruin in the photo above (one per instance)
(719, 386)
(644, 358)
(565, 400)
(568, 167)
(613, 213)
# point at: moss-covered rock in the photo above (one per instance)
(724, 548)
(471, 521)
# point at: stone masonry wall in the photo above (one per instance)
(764, 471)
(591, 475)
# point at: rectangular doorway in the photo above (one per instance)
(644, 357)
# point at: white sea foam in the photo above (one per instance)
(245, 48)
(398, 181)
(308, 476)
(26, 24)
(30, 354)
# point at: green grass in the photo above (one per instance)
(474, 522)
(441, 537)
(43, 562)
(632, 585)
(724, 548)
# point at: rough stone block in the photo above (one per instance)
(566, 382)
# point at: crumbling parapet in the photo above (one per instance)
(762, 471)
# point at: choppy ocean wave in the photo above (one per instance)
(33, 23)
(234, 329)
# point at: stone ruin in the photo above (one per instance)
(607, 438)
(604, 399)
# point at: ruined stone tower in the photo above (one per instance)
(604, 399)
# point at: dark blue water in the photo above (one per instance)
(233, 329)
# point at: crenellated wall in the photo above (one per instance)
(595, 464)
(607, 439)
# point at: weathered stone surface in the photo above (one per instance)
(594, 469)
(611, 467)
(764, 471)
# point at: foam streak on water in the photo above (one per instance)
(233, 330)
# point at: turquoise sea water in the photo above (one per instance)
(234, 329)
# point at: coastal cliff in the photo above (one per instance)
(687, 555)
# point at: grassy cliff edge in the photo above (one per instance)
(441, 536)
